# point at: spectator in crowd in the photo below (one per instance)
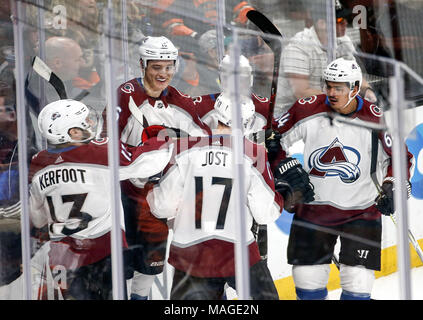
(306, 55)
(207, 66)
(83, 26)
(10, 209)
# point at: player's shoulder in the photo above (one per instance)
(303, 109)
(99, 143)
(368, 111)
(261, 104)
(129, 87)
(259, 100)
(311, 105)
(39, 159)
(173, 93)
(205, 99)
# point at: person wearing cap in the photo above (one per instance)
(146, 105)
(306, 55)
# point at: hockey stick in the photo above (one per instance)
(267, 27)
(45, 72)
(379, 190)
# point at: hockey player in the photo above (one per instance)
(146, 105)
(255, 131)
(202, 249)
(70, 194)
(205, 104)
(337, 156)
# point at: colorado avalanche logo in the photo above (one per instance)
(335, 160)
(55, 116)
(377, 112)
(309, 100)
(128, 88)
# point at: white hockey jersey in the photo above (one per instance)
(197, 191)
(70, 187)
(337, 157)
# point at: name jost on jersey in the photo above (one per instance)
(335, 160)
(63, 175)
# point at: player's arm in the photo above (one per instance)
(164, 198)
(37, 212)
(385, 199)
(264, 202)
(144, 161)
(286, 133)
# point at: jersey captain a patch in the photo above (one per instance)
(335, 160)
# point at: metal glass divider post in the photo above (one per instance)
(124, 34)
(237, 145)
(331, 29)
(396, 86)
(220, 34)
(22, 147)
(113, 158)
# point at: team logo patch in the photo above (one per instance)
(55, 115)
(335, 160)
(159, 104)
(376, 111)
(197, 99)
(260, 98)
(309, 100)
(128, 88)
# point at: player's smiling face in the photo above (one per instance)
(158, 75)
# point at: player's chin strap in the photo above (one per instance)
(350, 98)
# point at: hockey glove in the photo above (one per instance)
(272, 140)
(260, 234)
(293, 183)
(385, 200)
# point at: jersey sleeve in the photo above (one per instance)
(146, 160)
(36, 207)
(130, 126)
(165, 197)
(286, 125)
(385, 140)
(264, 202)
